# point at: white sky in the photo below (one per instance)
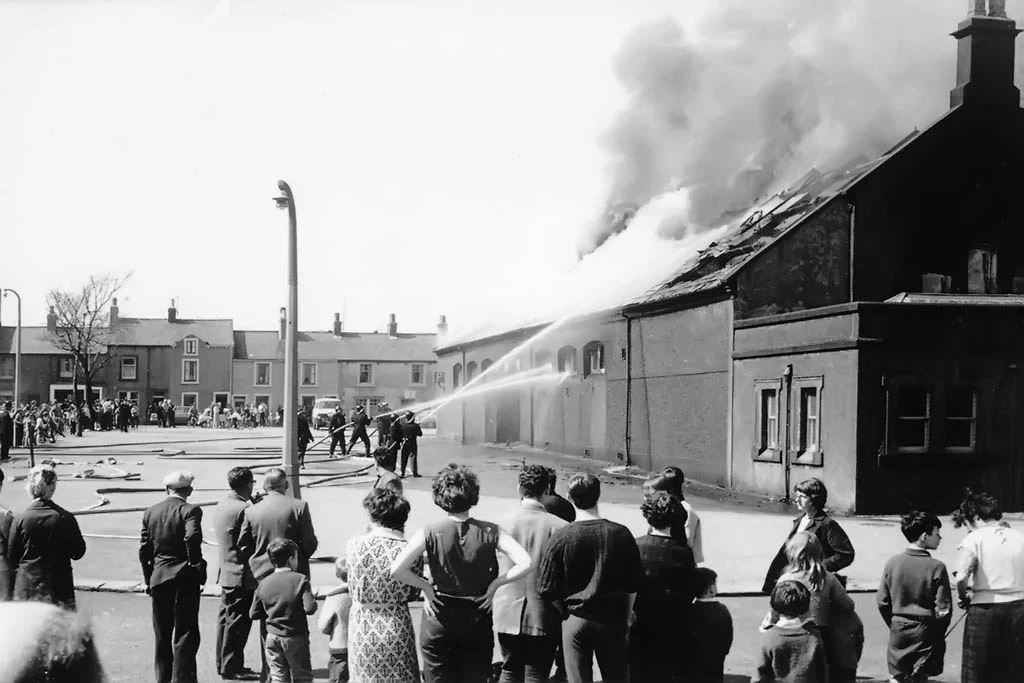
(422, 140)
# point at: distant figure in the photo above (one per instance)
(44, 539)
(305, 436)
(385, 418)
(42, 643)
(124, 416)
(6, 432)
(410, 450)
(360, 421)
(337, 429)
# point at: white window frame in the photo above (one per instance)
(184, 363)
(593, 351)
(359, 375)
(302, 374)
(67, 366)
(813, 454)
(193, 344)
(769, 450)
(369, 402)
(134, 366)
(256, 373)
(973, 419)
(126, 395)
(565, 362)
(194, 395)
(412, 374)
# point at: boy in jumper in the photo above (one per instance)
(283, 599)
(792, 651)
(712, 630)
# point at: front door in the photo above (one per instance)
(507, 428)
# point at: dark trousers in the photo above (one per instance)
(526, 658)
(176, 628)
(337, 667)
(302, 452)
(993, 643)
(360, 435)
(5, 450)
(410, 456)
(233, 626)
(337, 438)
(582, 639)
(456, 646)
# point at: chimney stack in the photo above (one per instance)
(51, 320)
(282, 331)
(172, 313)
(114, 311)
(985, 57)
(337, 324)
(392, 327)
(442, 326)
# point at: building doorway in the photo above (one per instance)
(221, 398)
(506, 429)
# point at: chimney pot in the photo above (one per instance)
(985, 58)
(392, 326)
(337, 324)
(172, 313)
(51, 320)
(982, 265)
(442, 326)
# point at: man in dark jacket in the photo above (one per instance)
(305, 436)
(360, 421)
(385, 418)
(44, 539)
(337, 428)
(6, 432)
(235, 578)
(410, 449)
(124, 416)
(174, 570)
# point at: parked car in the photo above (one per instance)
(323, 409)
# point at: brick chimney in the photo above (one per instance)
(392, 327)
(114, 312)
(337, 324)
(985, 57)
(282, 330)
(51, 320)
(442, 326)
(172, 313)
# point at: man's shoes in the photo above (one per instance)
(242, 675)
(417, 476)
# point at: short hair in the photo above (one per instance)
(387, 507)
(239, 478)
(662, 510)
(976, 505)
(918, 522)
(791, 598)
(703, 579)
(814, 489)
(456, 488)
(275, 479)
(281, 550)
(386, 458)
(533, 481)
(584, 490)
(41, 482)
(672, 479)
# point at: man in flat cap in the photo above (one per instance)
(174, 570)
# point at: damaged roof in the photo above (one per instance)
(350, 346)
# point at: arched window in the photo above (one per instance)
(542, 358)
(486, 364)
(470, 371)
(593, 358)
(456, 375)
(567, 360)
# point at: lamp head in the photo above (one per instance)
(281, 201)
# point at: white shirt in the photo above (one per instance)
(994, 555)
(693, 533)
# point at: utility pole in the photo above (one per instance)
(291, 348)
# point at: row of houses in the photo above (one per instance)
(199, 361)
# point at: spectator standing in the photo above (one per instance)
(282, 601)
(592, 571)
(44, 539)
(456, 636)
(528, 628)
(671, 479)
(234, 576)
(381, 640)
(659, 647)
(992, 557)
(386, 478)
(6, 575)
(914, 601)
(711, 630)
(170, 414)
(124, 416)
(554, 503)
(792, 649)
(410, 450)
(333, 623)
(6, 432)
(171, 555)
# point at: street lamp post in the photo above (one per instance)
(291, 348)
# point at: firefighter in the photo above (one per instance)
(384, 420)
(337, 429)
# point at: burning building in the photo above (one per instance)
(865, 326)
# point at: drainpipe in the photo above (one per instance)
(787, 381)
(462, 403)
(629, 383)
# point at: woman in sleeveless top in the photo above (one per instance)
(456, 638)
(381, 642)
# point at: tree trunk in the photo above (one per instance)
(88, 401)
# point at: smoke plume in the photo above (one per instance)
(756, 94)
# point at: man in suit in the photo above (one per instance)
(6, 432)
(124, 416)
(173, 568)
(235, 578)
(276, 516)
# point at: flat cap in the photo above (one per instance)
(178, 480)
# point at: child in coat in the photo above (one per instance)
(792, 650)
(712, 630)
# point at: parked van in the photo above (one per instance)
(323, 409)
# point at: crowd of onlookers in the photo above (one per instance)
(555, 583)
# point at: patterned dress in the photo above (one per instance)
(381, 642)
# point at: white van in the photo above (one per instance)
(323, 409)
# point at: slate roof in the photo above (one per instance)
(160, 332)
(350, 346)
(34, 341)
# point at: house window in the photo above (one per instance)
(961, 420)
(189, 371)
(470, 371)
(456, 375)
(806, 438)
(309, 374)
(189, 399)
(767, 404)
(486, 363)
(67, 366)
(567, 360)
(129, 368)
(262, 378)
(366, 374)
(191, 347)
(7, 367)
(542, 359)
(369, 404)
(593, 358)
(913, 419)
(128, 396)
(416, 374)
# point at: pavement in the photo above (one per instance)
(741, 533)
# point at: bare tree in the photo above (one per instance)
(83, 328)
